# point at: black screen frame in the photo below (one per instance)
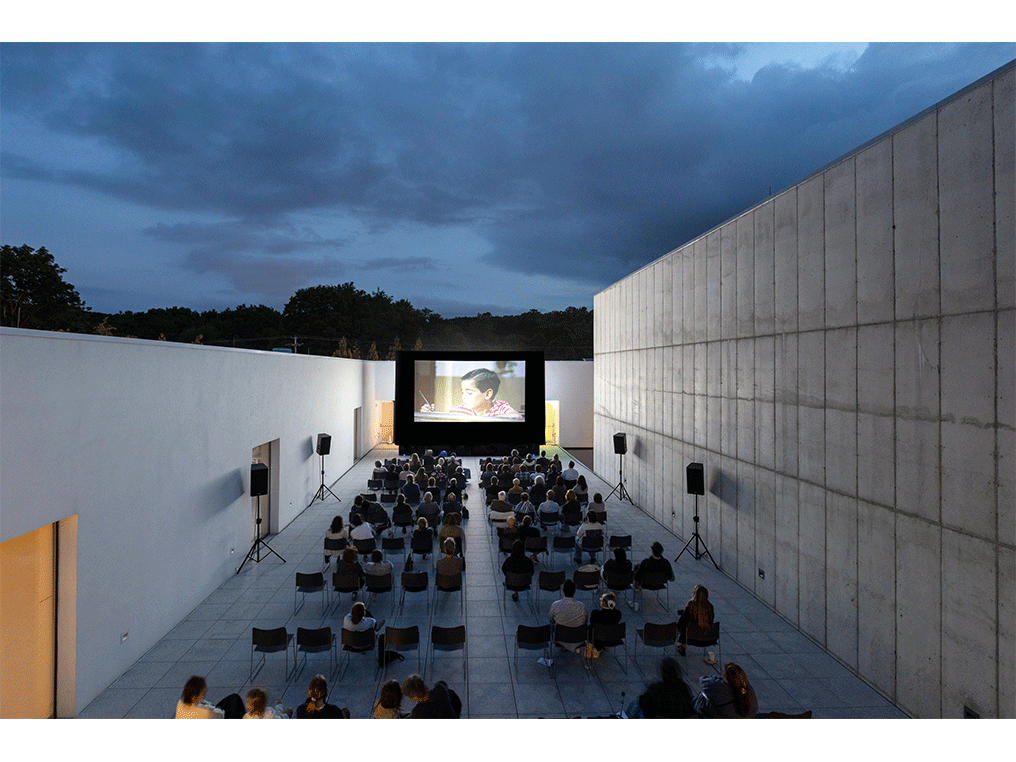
(466, 436)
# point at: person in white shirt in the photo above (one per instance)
(570, 474)
(258, 709)
(361, 529)
(568, 612)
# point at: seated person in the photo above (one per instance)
(451, 564)
(423, 537)
(358, 619)
(402, 513)
(655, 564)
(379, 472)
(526, 530)
(581, 488)
(348, 566)
(571, 511)
(429, 510)
(411, 490)
(727, 697)
(192, 704)
(524, 508)
(377, 517)
(668, 698)
(549, 506)
(389, 703)
(570, 475)
(335, 532)
(516, 488)
(500, 510)
(377, 565)
(568, 612)
(452, 529)
(608, 613)
(258, 709)
(430, 704)
(491, 490)
(560, 489)
(519, 563)
(510, 529)
(452, 505)
(599, 508)
(361, 529)
(487, 475)
(479, 390)
(587, 527)
(538, 491)
(316, 707)
(617, 565)
(699, 610)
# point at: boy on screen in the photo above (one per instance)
(479, 388)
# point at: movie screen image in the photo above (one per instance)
(485, 390)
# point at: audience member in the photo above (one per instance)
(581, 488)
(524, 508)
(699, 610)
(617, 565)
(192, 704)
(549, 505)
(389, 703)
(655, 564)
(607, 614)
(453, 529)
(429, 510)
(377, 565)
(453, 505)
(412, 491)
(519, 563)
(568, 612)
(335, 532)
(571, 511)
(451, 564)
(348, 566)
(361, 529)
(538, 491)
(430, 704)
(668, 698)
(588, 527)
(599, 507)
(729, 697)
(316, 706)
(402, 513)
(258, 709)
(423, 536)
(500, 509)
(570, 475)
(358, 619)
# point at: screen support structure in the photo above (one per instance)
(622, 492)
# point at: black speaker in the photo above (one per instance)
(620, 445)
(324, 444)
(696, 479)
(258, 479)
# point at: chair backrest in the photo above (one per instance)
(550, 517)
(403, 518)
(575, 634)
(619, 580)
(402, 637)
(654, 581)
(269, 638)
(658, 635)
(310, 582)
(380, 583)
(358, 640)
(609, 633)
(367, 496)
(448, 638)
(334, 544)
(448, 582)
(593, 539)
(536, 544)
(374, 484)
(505, 544)
(313, 638)
(414, 582)
(698, 637)
(567, 542)
(393, 543)
(552, 580)
(346, 580)
(388, 497)
(586, 580)
(620, 541)
(422, 543)
(527, 636)
(365, 546)
(518, 580)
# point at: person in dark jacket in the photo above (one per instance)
(430, 704)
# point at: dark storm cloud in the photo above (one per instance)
(579, 160)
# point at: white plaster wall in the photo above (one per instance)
(149, 443)
(843, 354)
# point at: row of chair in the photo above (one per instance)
(592, 543)
(374, 585)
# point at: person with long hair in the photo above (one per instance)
(730, 696)
(192, 704)
(667, 698)
(337, 531)
(389, 703)
(258, 709)
(699, 610)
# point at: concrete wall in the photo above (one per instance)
(841, 359)
(571, 383)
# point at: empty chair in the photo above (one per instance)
(403, 639)
(388, 498)
(403, 520)
(655, 635)
(532, 639)
(357, 642)
(587, 580)
(310, 583)
(422, 544)
(391, 544)
(504, 543)
(367, 496)
(374, 485)
(391, 485)
(571, 519)
(564, 544)
(448, 639)
(315, 641)
(550, 581)
(414, 582)
(270, 642)
(378, 584)
(346, 581)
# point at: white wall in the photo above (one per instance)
(843, 356)
(149, 443)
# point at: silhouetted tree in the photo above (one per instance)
(34, 294)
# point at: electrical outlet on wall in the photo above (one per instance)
(124, 636)
(761, 574)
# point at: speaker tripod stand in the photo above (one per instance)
(622, 492)
(698, 539)
(320, 494)
(255, 549)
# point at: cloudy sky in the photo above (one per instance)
(464, 177)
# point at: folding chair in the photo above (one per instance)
(377, 584)
(588, 580)
(551, 582)
(515, 582)
(365, 547)
(449, 583)
(414, 582)
(448, 639)
(532, 639)
(315, 641)
(403, 639)
(537, 545)
(703, 639)
(611, 636)
(310, 583)
(345, 581)
(655, 635)
(270, 642)
(655, 582)
(564, 544)
(357, 642)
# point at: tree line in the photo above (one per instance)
(332, 320)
